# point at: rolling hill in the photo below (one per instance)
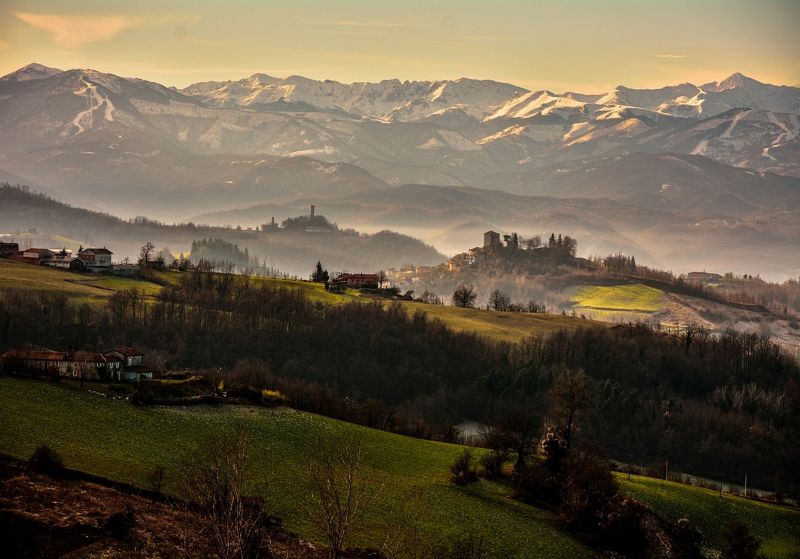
(132, 441)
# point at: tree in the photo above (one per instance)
(569, 396)
(532, 243)
(551, 242)
(339, 497)
(430, 298)
(499, 301)
(570, 246)
(320, 275)
(463, 469)
(464, 296)
(520, 428)
(215, 478)
(145, 252)
(587, 484)
(739, 543)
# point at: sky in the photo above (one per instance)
(578, 45)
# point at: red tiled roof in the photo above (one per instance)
(126, 351)
(103, 250)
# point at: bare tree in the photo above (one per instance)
(145, 252)
(464, 296)
(339, 495)
(215, 478)
(570, 395)
(499, 301)
(521, 426)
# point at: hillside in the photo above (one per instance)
(134, 440)
(649, 171)
(648, 205)
(97, 290)
(37, 219)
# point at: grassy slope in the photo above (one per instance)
(82, 287)
(507, 326)
(123, 442)
(778, 527)
(624, 302)
(95, 289)
(117, 440)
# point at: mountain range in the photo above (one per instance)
(718, 157)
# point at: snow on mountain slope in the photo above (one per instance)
(458, 132)
(30, 72)
(389, 99)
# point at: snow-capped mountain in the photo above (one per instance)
(59, 127)
(30, 72)
(386, 100)
(670, 162)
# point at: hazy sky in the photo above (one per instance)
(587, 45)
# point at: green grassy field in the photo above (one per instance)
(778, 527)
(81, 287)
(623, 298)
(123, 442)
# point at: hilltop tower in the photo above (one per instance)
(491, 239)
(312, 210)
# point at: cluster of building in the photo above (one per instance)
(123, 364)
(93, 259)
(491, 241)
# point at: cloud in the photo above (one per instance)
(74, 31)
(367, 23)
(672, 56)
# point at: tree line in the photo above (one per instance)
(717, 406)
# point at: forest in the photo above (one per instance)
(718, 406)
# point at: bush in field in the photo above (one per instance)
(119, 524)
(463, 469)
(45, 460)
(493, 463)
(587, 485)
(687, 540)
(156, 478)
(739, 543)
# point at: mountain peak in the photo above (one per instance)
(737, 80)
(33, 71)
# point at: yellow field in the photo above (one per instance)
(501, 326)
(624, 298)
(83, 287)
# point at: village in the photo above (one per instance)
(122, 364)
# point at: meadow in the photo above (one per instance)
(628, 298)
(96, 289)
(122, 442)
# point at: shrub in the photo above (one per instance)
(156, 478)
(739, 543)
(493, 463)
(463, 469)
(687, 540)
(45, 460)
(587, 485)
(119, 524)
(537, 484)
